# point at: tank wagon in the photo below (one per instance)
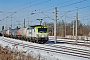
(36, 33)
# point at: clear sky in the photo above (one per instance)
(23, 9)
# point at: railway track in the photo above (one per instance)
(83, 53)
(80, 43)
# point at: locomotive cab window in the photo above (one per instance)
(42, 30)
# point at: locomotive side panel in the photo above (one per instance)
(29, 32)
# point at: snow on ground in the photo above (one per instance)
(44, 54)
(68, 45)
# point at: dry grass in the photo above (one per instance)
(7, 54)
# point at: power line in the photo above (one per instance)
(49, 9)
(84, 11)
(3, 13)
(72, 4)
(44, 2)
(44, 8)
(23, 5)
(75, 10)
(34, 5)
(9, 15)
(56, 5)
(66, 5)
(80, 8)
(46, 15)
(30, 6)
(62, 15)
(79, 11)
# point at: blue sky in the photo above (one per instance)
(24, 8)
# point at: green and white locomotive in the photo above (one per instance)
(38, 33)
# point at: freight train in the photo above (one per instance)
(36, 33)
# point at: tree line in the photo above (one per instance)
(64, 28)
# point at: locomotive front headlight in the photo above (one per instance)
(43, 36)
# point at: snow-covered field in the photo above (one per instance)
(47, 51)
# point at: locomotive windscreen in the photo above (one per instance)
(42, 30)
